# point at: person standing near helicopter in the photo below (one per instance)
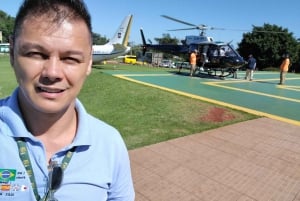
(251, 65)
(193, 61)
(284, 67)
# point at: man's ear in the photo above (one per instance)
(89, 70)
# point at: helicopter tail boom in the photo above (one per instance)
(144, 46)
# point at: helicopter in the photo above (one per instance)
(213, 56)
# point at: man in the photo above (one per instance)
(51, 148)
(251, 65)
(284, 68)
(193, 61)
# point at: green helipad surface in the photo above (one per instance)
(262, 96)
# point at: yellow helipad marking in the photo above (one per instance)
(137, 75)
(289, 87)
(219, 84)
(255, 112)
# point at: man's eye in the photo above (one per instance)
(71, 60)
(37, 55)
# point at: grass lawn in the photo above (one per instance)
(142, 114)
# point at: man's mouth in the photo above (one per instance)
(49, 90)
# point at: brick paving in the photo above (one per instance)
(256, 160)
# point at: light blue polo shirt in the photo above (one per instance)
(99, 169)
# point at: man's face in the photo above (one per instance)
(51, 63)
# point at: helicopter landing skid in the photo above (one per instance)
(220, 73)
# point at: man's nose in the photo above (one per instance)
(52, 68)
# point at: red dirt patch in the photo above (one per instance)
(216, 114)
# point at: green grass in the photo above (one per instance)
(7, 79)
(142, 114)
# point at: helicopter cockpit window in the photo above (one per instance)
(213, 51)
(229, 53)
(222, 51)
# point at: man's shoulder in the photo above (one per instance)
(98, 123)
(3, 101)
(10, 100)
(99, 126)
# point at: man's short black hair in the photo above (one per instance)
(56, 10)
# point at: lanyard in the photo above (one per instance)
(24, 156)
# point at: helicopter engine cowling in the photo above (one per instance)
(197, 39)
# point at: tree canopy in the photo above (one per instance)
(267, 44)
(6, 26)
(166, 39)
(98, 39)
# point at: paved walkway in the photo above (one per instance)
(257, 160)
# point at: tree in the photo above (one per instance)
(268, 43)
(6, 26)
(98, 39)
(296, 65)
(167, 40)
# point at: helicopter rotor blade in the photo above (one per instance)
(276, 32)
(201, 27)
(216, 28)
(204, 27)
(182, 29)
(180, 21)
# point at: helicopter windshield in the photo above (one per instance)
(213, 50)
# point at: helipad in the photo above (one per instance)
(262, 96)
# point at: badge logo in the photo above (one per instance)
(7, 175)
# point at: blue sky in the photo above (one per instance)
(230, 14)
